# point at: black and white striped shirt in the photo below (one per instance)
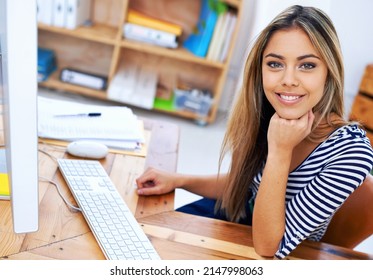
(321, 183)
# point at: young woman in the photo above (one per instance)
(294, 159)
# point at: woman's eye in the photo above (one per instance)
(308, 66)
(274, 64)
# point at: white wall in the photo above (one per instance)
(352, 20)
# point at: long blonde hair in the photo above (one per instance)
(246, 135)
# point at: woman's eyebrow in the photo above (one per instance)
(298, 58)
(308, 56)
(275, 56)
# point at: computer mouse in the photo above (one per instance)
(87, 149)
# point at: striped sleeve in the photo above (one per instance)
(341, 166)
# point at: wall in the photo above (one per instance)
(351, 19)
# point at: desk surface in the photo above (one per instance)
(65, 235)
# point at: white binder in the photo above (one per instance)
(45, 11)
(77, 13)
(59, 13)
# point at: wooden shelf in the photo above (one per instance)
(179, 53)
(98, 32)
(101, 49)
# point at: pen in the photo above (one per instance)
(80, 115)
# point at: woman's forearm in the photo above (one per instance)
(269, 210)
(210, 186)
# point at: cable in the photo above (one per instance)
(48, 154)
(71, 207)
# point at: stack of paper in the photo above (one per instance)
(135, 85)
(114, 126)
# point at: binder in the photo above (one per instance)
(84, 79)
(199, 41)
(149, 35)
(45, 11)
(59, 13)
(78, 12)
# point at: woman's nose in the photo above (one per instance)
(290, 79)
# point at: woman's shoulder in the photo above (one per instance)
(349, 133)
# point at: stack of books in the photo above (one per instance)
(221, 38)
(143, 28)
(214, 31)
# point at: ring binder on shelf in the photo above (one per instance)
(80, 78)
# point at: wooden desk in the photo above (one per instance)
(65, 235)
(175, 235)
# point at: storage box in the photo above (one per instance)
(195, 100)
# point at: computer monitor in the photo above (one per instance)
(18, 86)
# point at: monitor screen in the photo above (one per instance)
(18, 87)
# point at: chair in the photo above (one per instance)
(353, 222)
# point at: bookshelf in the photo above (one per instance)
(102, 49)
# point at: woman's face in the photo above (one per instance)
(294, 74)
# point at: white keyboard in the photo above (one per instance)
(111, 221)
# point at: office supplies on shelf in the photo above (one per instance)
(78, 12)
(147, 21)
(111, 221)
(117, 126)
(84, 79)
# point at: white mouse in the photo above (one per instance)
(87, 149)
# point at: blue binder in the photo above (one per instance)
(199, 41)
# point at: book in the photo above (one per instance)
(149, 35)
(198, 42)
(4, 180)
(220, 31)
(214, 39)
(230, 30)
(147, 21)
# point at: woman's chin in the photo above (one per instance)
(289, 116)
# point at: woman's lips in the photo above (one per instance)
(289, 98)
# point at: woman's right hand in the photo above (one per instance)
(156, 182)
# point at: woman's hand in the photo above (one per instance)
(286, 134)
(156, 182)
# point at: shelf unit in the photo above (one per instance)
(101, 49)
